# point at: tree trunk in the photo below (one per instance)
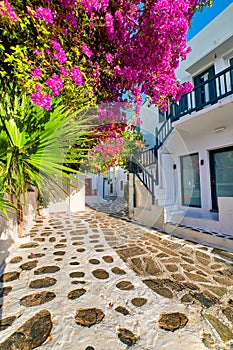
(20, 219)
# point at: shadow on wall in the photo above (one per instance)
(6, 242)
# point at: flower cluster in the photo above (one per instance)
(55, 83)
(76, 75)
(60, 54)
(40, 99)
(6, 9)
(44, 14)
(130, 45)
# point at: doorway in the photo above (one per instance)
(221, 174)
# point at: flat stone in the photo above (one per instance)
(223, 253)
(63, 240)
(228, 312)
(99, 250)
(178, 277)
(59, 252)
(223, 331)
(203, 258)
(125, 285)
(46, 234)
(77, 243)
(39, 239)
(108, 259)
(187, 299)
(94, 261)
(43, 282)
(80, 250)
(205, 302)
(77, 274)
(127, 337)
(36, 255)
(60, 245)
(46, 269)
(100, 274)
(32, 334)
(219, 291)
(89, 348)
(122, 310)
(76, 293)
(4, 291)
(196, 277)
(52, 239)
(74, 263)
(151, 268)
(139, 301)
(6, 322)
(16, 260)
(172, 320)
(58, 259)
(137, 265)
(29, 265)
(79, 232)
(29, 245)
(130, 252)
(190, 261)
(223, 280)
(172, 267)
(158, 287)
(9, 276)
(118, 271)
(79, 282)
(89, 316)
(190, 286)
(37, 298)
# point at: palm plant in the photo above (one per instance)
(35, 148)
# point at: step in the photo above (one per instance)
(211, 239)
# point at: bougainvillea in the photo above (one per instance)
(91, 51)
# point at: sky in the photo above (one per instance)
(201, 19)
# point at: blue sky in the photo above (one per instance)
(200, 20)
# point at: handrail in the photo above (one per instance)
(147, 157)
(144, 176)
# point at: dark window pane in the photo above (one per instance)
(191, 193)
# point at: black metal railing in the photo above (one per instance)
(206, 93)
(149, 180)
(147, 157)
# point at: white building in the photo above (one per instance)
(193, 167)
(109, 187)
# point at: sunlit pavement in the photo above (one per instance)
(91, 281)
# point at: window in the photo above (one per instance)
(205, 88)
(122, 185)
(111, 188)
(190, 180)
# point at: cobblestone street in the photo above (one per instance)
(89, 281)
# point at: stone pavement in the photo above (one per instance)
(90, 281)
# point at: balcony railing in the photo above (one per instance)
(206, 93)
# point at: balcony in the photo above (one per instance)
(207, 93)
